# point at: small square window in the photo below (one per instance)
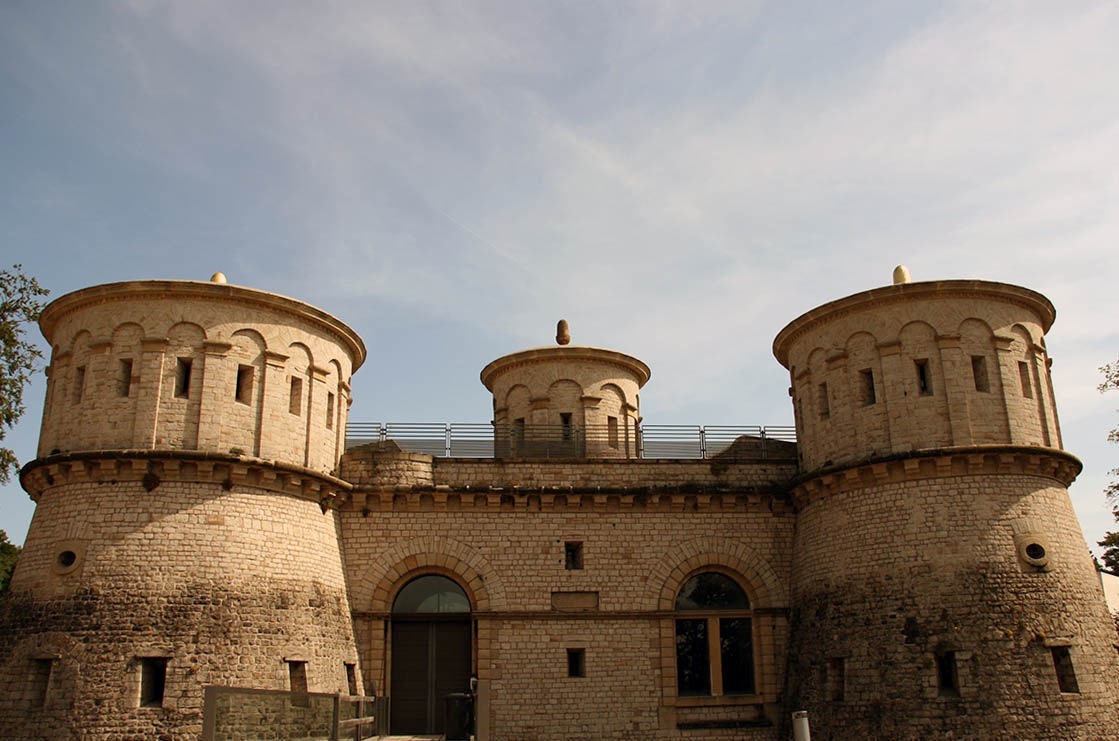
(924, 382)
(837, 679)
(1066, 675)
(1024, 376)
(40, 680)
(979, 373)
(576, 662)
(182, 378)
(351, 679)
(947, 674)
(870, 397)
(153, 681)
(79, 384)
(295, 396)
(243, 392)
(297, 682)
(573, 556)
(124, 377)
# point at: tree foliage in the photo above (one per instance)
(20, 303)
(9, 554)
(1110, 543)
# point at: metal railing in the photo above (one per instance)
(486, 440)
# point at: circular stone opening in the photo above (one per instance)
(66, 559)
(1036, 551)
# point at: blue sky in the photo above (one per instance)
(678, 180)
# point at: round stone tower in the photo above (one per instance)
(566, 401)
(941, 583)
(184, 533)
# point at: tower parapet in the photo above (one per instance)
(566, 401)
(920, 366)
(193, 365)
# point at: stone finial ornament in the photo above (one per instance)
(901, 275)
(563, 335)
(218, 277)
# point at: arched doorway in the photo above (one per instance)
(431, 648)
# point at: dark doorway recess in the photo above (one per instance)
(431, 653)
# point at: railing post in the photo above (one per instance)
(765, 451)
(703, 442)
(447, 440)
(382, 432)
(334, 730)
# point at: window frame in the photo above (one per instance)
(713, 618)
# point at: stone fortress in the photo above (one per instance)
(910, 568)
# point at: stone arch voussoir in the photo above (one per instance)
(761, 581)
(430, 555)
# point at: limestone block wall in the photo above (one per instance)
(227, 570)
(594, 390)
(920, 366)
(509, 554)
(907, 567)
(186, 365)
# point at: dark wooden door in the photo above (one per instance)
(430, 660)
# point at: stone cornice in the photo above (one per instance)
(565, 353)
(204, 291)
(153, 467)
(879, 298)
(1049, 463)
(440, 498)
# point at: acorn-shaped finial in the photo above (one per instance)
(563, 335)
(901, 275)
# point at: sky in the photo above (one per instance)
(678, 180)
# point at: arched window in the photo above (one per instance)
(714, 638)
(432, 593)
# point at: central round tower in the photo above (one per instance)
(184, 533)
(568, 401)
(941, 583)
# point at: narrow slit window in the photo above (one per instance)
(576, 662)
(295, 396)
(869, 395)
(243, 392)
(947, 674)
(837, 679)
(565, 424)
(979, 373)
(825, 404)
(79, 383)
(124, 377)
(182, 378)
(330, 410)
(612, 431)
(519, 429)
(573, 556)
(1024, 376)
(1066, 675)
(40, 681)
(351, 679)
(297, 676)
(153, 681)
(924, 382)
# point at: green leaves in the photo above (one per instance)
(20, 303)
